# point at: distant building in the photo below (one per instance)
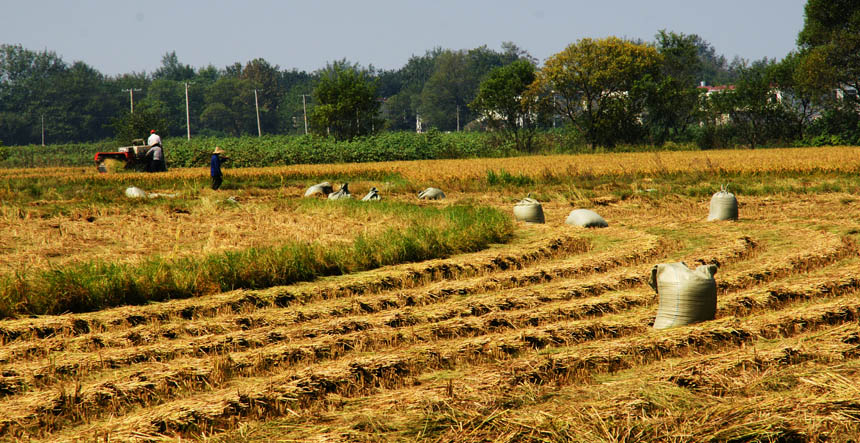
(715, 89)
(846, 92)
(710, 90)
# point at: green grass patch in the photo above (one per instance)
(505, 178)
(431, 232)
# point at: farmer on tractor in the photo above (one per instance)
(155, 154)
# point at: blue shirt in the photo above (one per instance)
(215, 165)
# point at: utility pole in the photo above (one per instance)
(305, 109)
(131, 96)
(43, 129)
(257, 105)
(187, 113)
(458, 118)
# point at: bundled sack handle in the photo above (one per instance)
(528, 200)
(709, 269)
(652, 280)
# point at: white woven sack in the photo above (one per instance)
(529, 210)
(586, 218)
(686, 295)
(341, 193)
(724, 206)
(323, 188)
(134, 192)
(431, 194)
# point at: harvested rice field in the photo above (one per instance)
(543, 335)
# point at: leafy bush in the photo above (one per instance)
(835, 127)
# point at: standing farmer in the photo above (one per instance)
(154, 139)
(155, 154)
(218, 157)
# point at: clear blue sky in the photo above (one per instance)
(124, 36)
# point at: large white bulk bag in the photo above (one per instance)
(529, 210)
(586, 218)
(686, 295)
(724, 206)
(341, 193)
(134, 192)
(323, 189)
(431, 194)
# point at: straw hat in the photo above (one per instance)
(218, 150)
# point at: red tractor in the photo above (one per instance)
(129, 157)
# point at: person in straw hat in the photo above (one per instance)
(218, 157)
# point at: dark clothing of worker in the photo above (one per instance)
(215, 170)
(155, 159)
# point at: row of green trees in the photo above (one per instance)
(78, 103)
(605, 91)
(616, 91)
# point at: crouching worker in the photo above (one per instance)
(218, 157)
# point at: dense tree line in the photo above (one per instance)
(80, 104)
(602, 91)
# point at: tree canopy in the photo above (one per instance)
(595, 84)
(346, 103)
(501, 101)
(831, 37)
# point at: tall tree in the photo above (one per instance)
(447, 92)
(172, 69)
(753, 106)
(454, 82)
(294, 102)
(166, 99)
(400, 109)
(265, 78)
(801, 96)
(714, 68)
(229, 107)
(81, 104)
(28, 91)
(346, 102)
(501, 101)
(597, 85)
(831, 33)
(672, 101)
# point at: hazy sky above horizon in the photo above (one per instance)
(120, 36)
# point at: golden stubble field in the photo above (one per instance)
(210, 226)
(546, 338)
